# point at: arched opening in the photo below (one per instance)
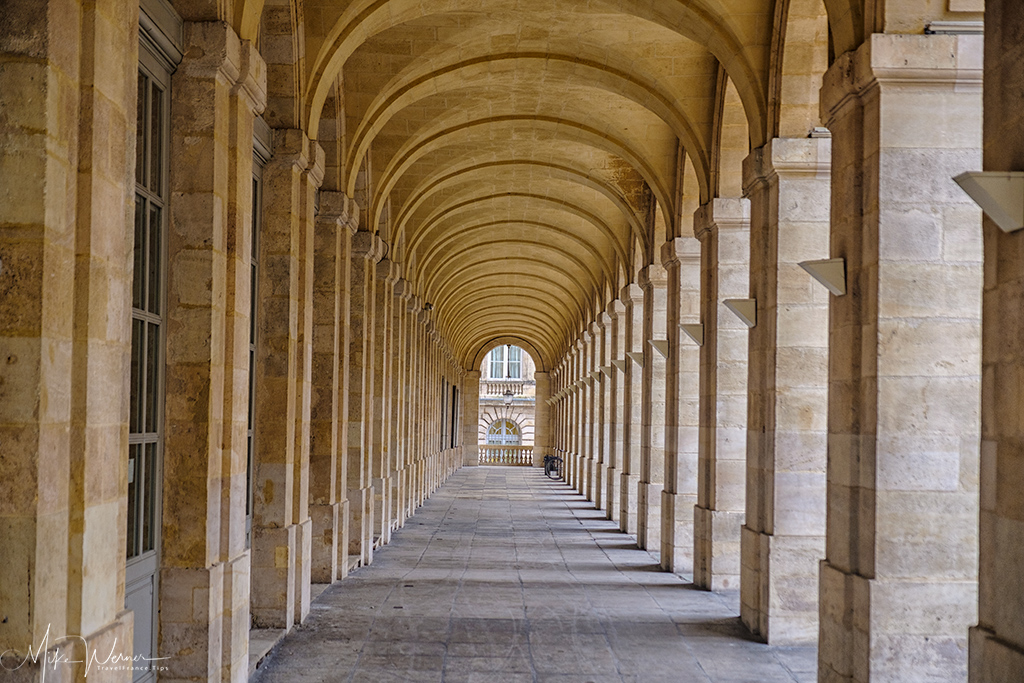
(508, 406)
(504, 433)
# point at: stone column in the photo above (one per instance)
(471, 421)
(281, 537)
(613, 480)
(329, 398)
(681, 257)
(65, 336)
(398, 433)
(366, 250)
(723, 228)
(632, 298)
(542, 418)
(653, 282)
(590, 389)
(207, 363)
(997, 642)
(899, 582)
(383, 367)
(783, 539)
(602, 384)
(575, 419)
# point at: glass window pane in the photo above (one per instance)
(140, 131)
(139, 251)
(155, 246)
(134, 416)
(152, 364)
(156, 134)
(133, 499)
(148, 490)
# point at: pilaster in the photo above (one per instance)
(652, 281)
(633, 341)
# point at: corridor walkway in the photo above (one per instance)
(505, 575)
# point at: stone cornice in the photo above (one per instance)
(680, 249)
(723, 213)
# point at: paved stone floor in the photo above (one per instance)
(505, 575)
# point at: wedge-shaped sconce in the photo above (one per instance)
(620, 364)
(745, 310)
(661, 346)
(830, 272)
(694, 331)
(636, 357)
(595, 374)
(607, 370)
(588, 380)
(1000, 194)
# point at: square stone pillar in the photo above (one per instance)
(723, 228)
(783, 539)
(335, 224)
(899, 582)
(471, 418)
(542, 417)
(383, 364)
(681, 257)
(207, 362)
(997, 642)
(69, 86)
(633, 341)
(367, 249)
(597, 438)
(614, 396)
(282, 529)
(397, 434)
(653, 281)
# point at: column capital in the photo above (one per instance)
(615, 308)
(631, 294)
(788, 157)
(387, 270)
(680, 250)
(930, 61)
(251, 82)
(721, 213)
(604, 319)
(337, 208)
(652, 275)
(596, 327)
(368, 245)
(291, 147)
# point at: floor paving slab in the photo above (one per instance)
(506, 575)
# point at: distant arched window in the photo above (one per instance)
(503, 433)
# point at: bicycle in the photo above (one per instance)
(553, 466)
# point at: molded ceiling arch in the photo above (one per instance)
(416, 147)
(410, 88)
(515, 340)
(429, 189)
(455, 298)
(703, 21)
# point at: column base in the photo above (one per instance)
(344, 522)
(779, 586)
(613, 483)
(884, 630)
(360, 542)
(716, 549)
(992, 659)
(677, 532)
(648, 533)
(303, 546)
(273, 576)
(382, 509)
(324, 550)
(598, 485)
(628, 502)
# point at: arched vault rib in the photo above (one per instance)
(464, 233)
(515, 326)
(579, 212)
(542, 363)
(455, 257)
(572, 67)
(590, 284)
(455, 298)
(430, 186)
(478, 303)
(418, 146)
(693, 19)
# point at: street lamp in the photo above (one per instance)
(508, 396)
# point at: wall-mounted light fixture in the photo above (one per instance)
(620, 364)
(636, 356)
(694, 331)
(508, 395)
(745, 310)
(1000, 194)
(830, 272)
(607, 370)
